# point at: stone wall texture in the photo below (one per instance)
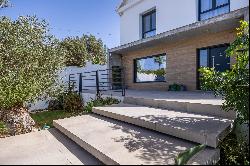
(181, 60)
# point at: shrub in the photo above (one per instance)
(100, 102)
(68, 101)
(177, 87)
(233, 85)
(55, 104)
(234, 152)
(72, 102)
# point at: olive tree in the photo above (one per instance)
(30, 59)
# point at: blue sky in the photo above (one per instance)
(73, 17)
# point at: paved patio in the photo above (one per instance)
(48, 147)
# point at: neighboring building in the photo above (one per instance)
(166, 41)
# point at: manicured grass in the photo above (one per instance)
(2, 125)
(3, 130)
(47, 117)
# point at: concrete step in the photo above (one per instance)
(114, 142)
(197, 128)
(47, 147)
(204, 107)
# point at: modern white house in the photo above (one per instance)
(183, 34)
(162, 42)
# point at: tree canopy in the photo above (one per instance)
(79, 50)
(30, 59)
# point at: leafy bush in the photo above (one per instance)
(79, 50)
(234, 152)
(233, 85)
(176, 87)
(100, 102)
(72, 102)
(30, 59)
(69, 101)
(55, 104)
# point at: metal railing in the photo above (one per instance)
(102, 80)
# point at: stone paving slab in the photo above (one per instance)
(48, 147)
(201, 129)
(181, 105)
(115, 142)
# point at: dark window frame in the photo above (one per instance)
(214, 7)
(209, 63)
(135, 68)
(150, 13)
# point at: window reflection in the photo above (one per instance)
(212, 8)
(204, 58)
(151, 69)
(149, 24)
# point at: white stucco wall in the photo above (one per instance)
(238, 4)
(89, 67)
(64, 76)
(170, 14)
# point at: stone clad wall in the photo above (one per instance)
(181, 60)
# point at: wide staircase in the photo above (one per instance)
(144, 131)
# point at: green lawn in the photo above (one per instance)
(2, 126)
(47, 117)
(3, 130)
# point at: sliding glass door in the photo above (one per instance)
(213, 57)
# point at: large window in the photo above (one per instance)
(149, 24)
(212, 8)
(150, 69)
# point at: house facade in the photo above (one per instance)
(166, 41)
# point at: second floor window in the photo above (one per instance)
(149, 24)
(212, 8)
